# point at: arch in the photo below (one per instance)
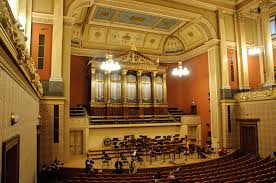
(76, 4)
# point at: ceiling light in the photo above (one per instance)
(180, 71)
(254, 51)
(109, 64)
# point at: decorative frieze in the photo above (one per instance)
(14, 33)
(256, 95)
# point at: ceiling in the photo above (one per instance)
(104, 27)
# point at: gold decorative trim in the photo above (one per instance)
(265, 94)
(42, 18)
(16, 43)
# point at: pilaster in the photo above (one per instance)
(93, 80)
(243, 81)
(165, 88)
(153, 87)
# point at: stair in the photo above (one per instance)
(78, 111)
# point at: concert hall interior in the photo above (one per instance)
(167, 90)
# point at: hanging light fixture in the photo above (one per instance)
(110, 64)
(254, 51)
(180, 71)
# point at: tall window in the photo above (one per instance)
(159, 89)
(99, 86)
(41, 45)
(232, 75)
(146, 88)
(273, 25)
(131, 87)
(116, 86)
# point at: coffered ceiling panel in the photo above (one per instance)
(192, 36)
(136, 19)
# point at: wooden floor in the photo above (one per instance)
(78, 161)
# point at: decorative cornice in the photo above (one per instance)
(239, 18)
(265, 94)
(15, 41)
(42, 18)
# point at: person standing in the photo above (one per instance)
(118, 166)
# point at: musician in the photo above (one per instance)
(118, 166)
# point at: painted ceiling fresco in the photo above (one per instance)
(133, 18)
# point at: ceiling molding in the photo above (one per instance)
(163, 59)
(42, 18)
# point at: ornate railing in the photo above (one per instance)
(14, 40)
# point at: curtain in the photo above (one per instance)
(159, 89)
(116, 87)
(99, 91)
(131, 88)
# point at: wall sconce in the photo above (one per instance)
(14, 119)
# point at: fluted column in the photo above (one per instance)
(57, 41)
(139, 84)
(241, 52)
(165, 101)
(261, 55)
(153, 86)
(93, 79)
(225, 86)
(268, 50)
(66, 57)
(106, 86)
(124, 86)
(215, 95)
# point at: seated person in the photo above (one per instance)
(87, 165)
(157, 177)
(171, 176)
(133, 166)
(105, 156)
(118, 166)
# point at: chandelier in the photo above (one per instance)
(254, 51)
(180, 71)
(109, 64)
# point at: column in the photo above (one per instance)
(165, 101)
(215, 95)
(241, 52)
(92, 88)
(153, 86)
(124, 86)
(139, 86)
(57, 42)
(108, 87)
(225, 88)
(261, 55)
(105, 86)
(66, 57)
(268, 50)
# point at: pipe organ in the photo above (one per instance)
(138, 89)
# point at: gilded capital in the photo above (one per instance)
(238, 17)
(93, 70)
(139, 73)
(221, 13)
(153, 74)
(124, 71)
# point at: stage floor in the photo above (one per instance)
(78, 161)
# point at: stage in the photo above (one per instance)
(78, 161)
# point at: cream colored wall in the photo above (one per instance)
(14, 98)
(45, 6)
(251, 31)
(96, 136)
(230, 29)
(265, 111)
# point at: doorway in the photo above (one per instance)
(10, 161)
(76, 142)
(249, 138)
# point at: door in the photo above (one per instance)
(249, 139)
(76, 142)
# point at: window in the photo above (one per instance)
(99, 86)
(159, 89)
(272, 25)
(131, 87)
(56, 123)
(232, 75)
(146, 88)
(41, 45)
(115, 87)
